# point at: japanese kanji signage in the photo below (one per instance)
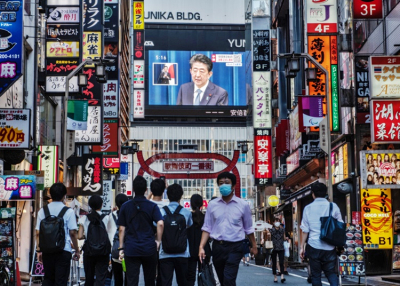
(93, 20)
(261, 50)
(15, 128)
(110, 163)
(262, 157)
(57, 84)
(110, 140)
(362, 89)
(64, 15)
(92, 174)
(385, 77)
(138, 74)
(63, 32)
(262, 117)
(111, 99)
(107, 196)
(324, 50)
(93, 91)
(139, 45)
(62, 49)
(293, 162)
(138, 103)
(368, 9)
(294, 129)
(127, 183)
(180, 166)
(49, 164)
(385, 121)
(92, 45)
(321, 16)
(111, 22)
(380, 169)
(376, 219)
(138, 15)
(17, 187)
(11, 46)
(94, 132)
(61, 66)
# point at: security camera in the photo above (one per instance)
(334, 175)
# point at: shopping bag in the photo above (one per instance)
(206, 275)
(268, 244)
(332, 230)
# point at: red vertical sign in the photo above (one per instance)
(262, 157)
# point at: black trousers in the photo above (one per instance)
(95, 265)
(167, 268)
(322, 260)
(118, 274)
(226, 259)
(56, 268)
(148, 263)
(281, 254)
(193, 264)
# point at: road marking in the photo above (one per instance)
(291, 274)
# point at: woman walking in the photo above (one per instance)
(278, 237)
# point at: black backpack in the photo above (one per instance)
(114, 250)
(52, 232)
(97, 242)
(174, 239)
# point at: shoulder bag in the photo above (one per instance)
(332, 230)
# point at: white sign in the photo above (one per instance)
(49, 164)
(321, 16)
(63, 2)
(384, 77)
(138, 104)
(15, 128)
(57, 84)
(94, 131)
(195, 12)
(262, 116)
(111, 99)
(323, 134)
(70, 143)
(218, 58)
(107, 195)
(127, 185)
(64, 15)
(138, 74)
(13, 96)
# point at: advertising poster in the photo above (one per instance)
(57, 84)
(62, 49)
(340, 164)
(110, 140)
(138, 15)
(15, 128)
(94, 132)
(92, 174)
(111, 22)
(92, 45)
(295, 134)
(262, 157)
(7, 244)
(396, 257)
(138, 48)
(63, 32)
(376, 217)
(385, 77)
(64, 15)
(11, 45)
(61, 67)
(351, 261)
(107, 197)
(49, 164)
(380, 169)
(77, 115)
(17, 187)
(111, 99)
(94, 14)
(138, 74)
(362, 89)
(293, 161)
(138, 103)
(262, 111)
(321, 16)
(311, 109)
(13, 96)
(261, 50)
(385, 126)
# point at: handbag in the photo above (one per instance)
(246, 245)
(332, 230)
(268, 244)
(206, 275)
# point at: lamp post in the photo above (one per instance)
(328, 109)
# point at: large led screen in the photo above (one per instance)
(170, 82)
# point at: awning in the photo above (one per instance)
(303, 192)
(281, 208)
(304, 172)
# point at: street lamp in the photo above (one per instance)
(82, 80)
(328, 104)
(311, 74)
(244, 148)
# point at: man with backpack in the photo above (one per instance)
(136, 235)
(55, 230)
(174, 250)
(97, 247)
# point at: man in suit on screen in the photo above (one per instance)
(164, 77)
(201, 91)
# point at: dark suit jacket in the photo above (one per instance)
(213, 95)
(163, 80)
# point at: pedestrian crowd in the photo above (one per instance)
(166, 239)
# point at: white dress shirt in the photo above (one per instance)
(203, 89)
(311, 223)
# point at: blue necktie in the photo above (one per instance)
(197, 99)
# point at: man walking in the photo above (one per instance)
(56, 259)
(136, 236)
(227, 221)
(321, 255)
(174, 250)
(157, 188)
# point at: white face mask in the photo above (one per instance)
(277, 224)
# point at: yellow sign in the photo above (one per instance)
(92, 46)
(62, 49)
(376, 219)
(273, 201)
(138, 15)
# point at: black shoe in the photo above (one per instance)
(286, 273)
(309, 279)
(283, 280)
(278, 273)
(275, 281)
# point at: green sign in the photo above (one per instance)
(335, 98)
(77, 114)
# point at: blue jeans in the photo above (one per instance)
(322, 260)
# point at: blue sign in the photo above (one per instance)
(243, 193)
(11, 45)
(17, 187)
(123, 171)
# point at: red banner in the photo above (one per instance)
(262, 157)
(110, 147)
(367, 9)
(385, 121)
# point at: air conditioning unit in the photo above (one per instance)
(188, 148)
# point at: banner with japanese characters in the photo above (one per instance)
(111, 99)
(138, 103)
(11, 44)
(94, 132)
(138, 15)
(65, 49)
(138, 74)
(17, 187)
(261, 51)
(61, 66)
(93, 92)
(92, 174)
(362, 89)
(69, 32)
(92, 45)
(321, 16)
(376, 218)
(385, 123)
(107, 197)
(110, 139)
(15, 128)
(63, 15)
(385, 77)
(262, 116)
(49, 164)
(93, 17)
(77, 115)
(262, 157)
